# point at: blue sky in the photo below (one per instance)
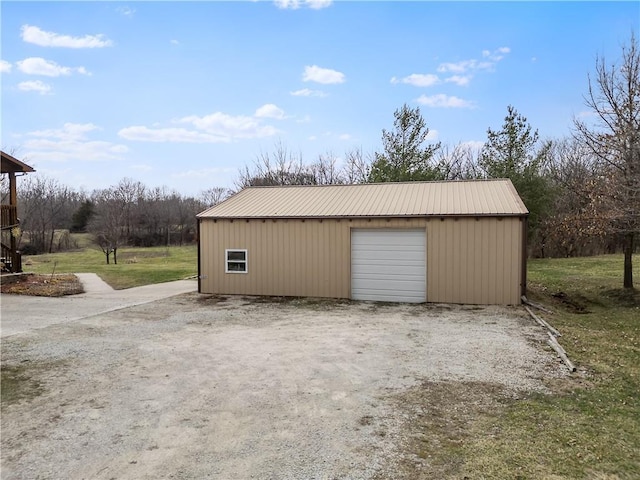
(185, 94)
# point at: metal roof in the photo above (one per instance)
(408, 199)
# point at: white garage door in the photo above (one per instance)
(388, 265)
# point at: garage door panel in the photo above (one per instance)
(372, 271)
(405, 258)
(388, 265)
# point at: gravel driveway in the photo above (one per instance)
(196, 386)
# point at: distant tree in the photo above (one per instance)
(614, 138)
(108, 225)
(44, 207)
(357, 166)
(325, 170)
(458, 163)
(213, 196)
(81, 216)
(566, 231)
(282, 167)
(406, 155)
(515, 152)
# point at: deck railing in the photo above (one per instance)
(9, 216)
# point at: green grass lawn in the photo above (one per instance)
(590, 427)
(136, 266)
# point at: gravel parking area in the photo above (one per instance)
(198, 386)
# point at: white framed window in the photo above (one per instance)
(235, 261)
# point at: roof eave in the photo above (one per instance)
(361, 217)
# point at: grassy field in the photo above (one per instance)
(590, 427)
(136, 266)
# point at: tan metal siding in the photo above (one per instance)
(475, 261)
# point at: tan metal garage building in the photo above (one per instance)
(450, 242)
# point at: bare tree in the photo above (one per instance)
(614, 138)
(282, 167)
(566, 231)
(458, 163)
(213, 196)
(357, 167)
(45, 205)
(108, 225)
(325, 170)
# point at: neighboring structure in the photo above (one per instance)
(450, 242)
(10, 256)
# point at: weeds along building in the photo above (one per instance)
(450, 242)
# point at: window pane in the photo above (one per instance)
(236, 267)
(236, 255)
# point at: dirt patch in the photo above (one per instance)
(572, 304)
(18, 384)
(438, 416)
(182, 388)
(42, 285)
(627, 297)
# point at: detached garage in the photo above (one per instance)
(449, 242)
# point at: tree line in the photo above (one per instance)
(582, 191)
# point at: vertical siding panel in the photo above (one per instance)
(295, 257)
(457, 289)
(345, 263)
(463, 271)
(484, 260)
(516, 260)
(441, 254)
(286, 257)
(432, 261)
(447, 252)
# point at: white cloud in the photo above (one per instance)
(287, 4)
(40, 66)
(126, 11)
(418, 80)
(270, 110)
(433, 135)
(175, 42)
(458, 67)
(5, 67)
(178, 135)
(35, 35)
(318, 4)
(306, 92)
(71, 143)
(217, 127)
(35, 86)
(460, 80)
(295, 4)
(69, 131)
(317, 74)
(444, 101)
(230, 127)
(474, 65)
(344, 136)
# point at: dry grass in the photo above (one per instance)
(42, 285)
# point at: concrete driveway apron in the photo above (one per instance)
(23, 313)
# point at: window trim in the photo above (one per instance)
(227, 261)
